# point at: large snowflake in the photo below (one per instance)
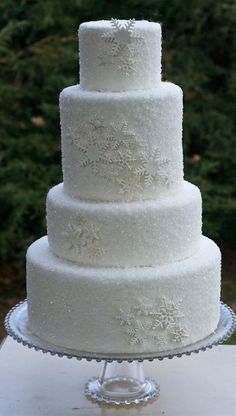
(152, 167)
(82, 237)
(121, 36)
(148, 322)
(122, 41)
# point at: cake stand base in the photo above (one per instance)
(130, 388)
(122, 381)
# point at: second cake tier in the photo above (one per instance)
(122, 146)
(124, 234)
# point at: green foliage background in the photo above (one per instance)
(38, 58)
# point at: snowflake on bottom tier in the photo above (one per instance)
(178, 334)
(82, 237)
(166, 315)
(158, 323)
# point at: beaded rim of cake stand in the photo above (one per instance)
(225, 328)
(153, 392)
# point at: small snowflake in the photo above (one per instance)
(73, 236)
(97, 124)
(69, 134)
(130, 188)
(82, 237)
(96, 253)
(178, 334)
(144, 308)
(119, 136)
(92, 152)
(127, 65)
(125, 318)
(166, 315)
(152, 167)
(137, 334)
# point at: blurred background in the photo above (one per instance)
(38, 58)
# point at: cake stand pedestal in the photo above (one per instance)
(121, 381)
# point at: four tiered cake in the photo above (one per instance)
(125, 268)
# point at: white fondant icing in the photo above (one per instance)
(122, 146)
(125, 234)
(105, 309)
(119, 55)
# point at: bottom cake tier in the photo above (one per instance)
(123, 310)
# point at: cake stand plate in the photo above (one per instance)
(117, 389)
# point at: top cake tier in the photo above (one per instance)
(120, 55)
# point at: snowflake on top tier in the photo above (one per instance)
(152, 167)
(82, 237)
(158, 322)
(123, 43)
(121, 36)
(127, 65)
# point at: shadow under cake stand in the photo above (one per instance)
(122, 380)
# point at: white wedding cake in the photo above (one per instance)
(124, 268)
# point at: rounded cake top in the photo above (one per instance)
(106, 24)
(120, 55)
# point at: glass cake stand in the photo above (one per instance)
(122, 381)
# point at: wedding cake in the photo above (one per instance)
(124, 268)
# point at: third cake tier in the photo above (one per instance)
(140, 233)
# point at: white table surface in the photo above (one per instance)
(36, 384)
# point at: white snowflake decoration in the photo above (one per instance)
(146, 322)
(127, 65)
(70, 135)
(92, 152)
(73, 236)
(83, 237)
(178, 334)
(125, 318)
(136, 334)
(152, 167)
(121, 36)
(121, 52)
(116, 154)
(166, 315)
